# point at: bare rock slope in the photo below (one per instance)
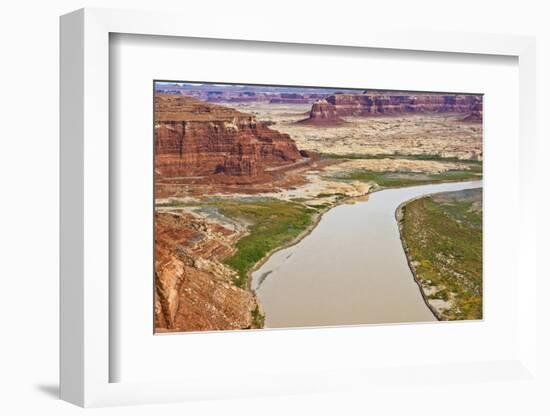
(194, 290)
(195, 138)
(332, 108)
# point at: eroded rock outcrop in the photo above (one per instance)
(194, 290)
(323, 113)
(335, 106)
(195, 138)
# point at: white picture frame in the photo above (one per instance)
(85, 165)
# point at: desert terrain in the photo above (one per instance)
(433, 134)
(242, 173)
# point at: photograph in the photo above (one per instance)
(225, 208)
(281, 206)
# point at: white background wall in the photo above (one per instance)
(29, 56)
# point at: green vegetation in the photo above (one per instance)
(272, 224)
(176, 204)
(443, 234)
(258, 318)
(320, 206)
(326, 195)
(400, 179)
(433, 157)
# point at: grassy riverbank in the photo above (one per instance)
(399, 179)
(428, 157)
(442, 235)
(272, 224)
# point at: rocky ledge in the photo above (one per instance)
(194, 290)
(331, 109)
(323, 113)
(195, 139)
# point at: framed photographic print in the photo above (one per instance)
(286, 222)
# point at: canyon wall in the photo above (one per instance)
(294, 98)
(476, 111)
(323, 112)
(245, 94)
(193, 288)
(195, 138)
(335, 106)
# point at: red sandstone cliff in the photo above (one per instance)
(195, 138)
(335, 106)
(323, 113)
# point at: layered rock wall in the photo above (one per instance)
(195, 138)
(336, 106)
(323, 112)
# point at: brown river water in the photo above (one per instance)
(350, 270)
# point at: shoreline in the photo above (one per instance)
(399, 216)
(318, 218)
(270, 253)
(296, 240)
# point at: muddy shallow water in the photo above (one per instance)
(351, 269)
